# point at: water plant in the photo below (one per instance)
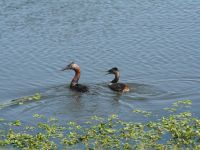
(22, 100)
(173, 131)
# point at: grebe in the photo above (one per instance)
(74, 83)
(120, 87)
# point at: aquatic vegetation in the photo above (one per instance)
(16, 123)
(35, 97)
(145, 113)
(173, 131)
(2, 119)
(38, 116)
(178, 104)
(22, 100)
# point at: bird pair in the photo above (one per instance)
(120, 87)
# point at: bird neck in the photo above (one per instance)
(116, 79)
(76, 77)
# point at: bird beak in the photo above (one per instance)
(108, 72)
(66, 68)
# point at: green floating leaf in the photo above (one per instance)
(182, 102)
(2, 119)
(37, 96)
(145, 113)
(16, 123)
(38, 116)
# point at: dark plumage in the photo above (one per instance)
(74, 83)
(80, 88)
(120, 87)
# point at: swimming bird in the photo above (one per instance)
(113, 85)
(74, 85)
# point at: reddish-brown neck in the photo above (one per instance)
(76, 76)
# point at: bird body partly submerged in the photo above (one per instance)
(74, 85)
(79, 88)
(119, 87)
(114, 85)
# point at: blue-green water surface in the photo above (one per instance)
(154, 43)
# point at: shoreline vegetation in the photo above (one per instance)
(174, 130)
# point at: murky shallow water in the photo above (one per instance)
(155, 44)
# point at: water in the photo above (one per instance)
(155, 44)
